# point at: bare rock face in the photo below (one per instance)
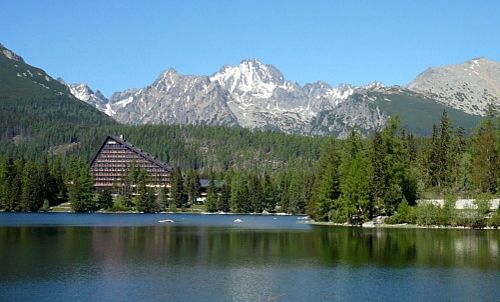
(83, 92)
(251, 95)
(9, 54)
(358, 112)
(257, 96)
(470, 87)
(175, 99)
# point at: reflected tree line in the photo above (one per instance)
(236, 247)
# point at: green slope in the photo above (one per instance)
(418, 113)
(32, 102)
(368, 109)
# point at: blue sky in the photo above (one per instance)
(114, 45)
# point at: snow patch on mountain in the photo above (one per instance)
(83, 92)
(256, 95)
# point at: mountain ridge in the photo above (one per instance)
(471, 86)
(31, 100)
(257, 95)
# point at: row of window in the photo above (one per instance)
(128, 162)
(101, 180)
(154, 175)
(125, 168)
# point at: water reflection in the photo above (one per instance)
(222, 263)
(45, 249)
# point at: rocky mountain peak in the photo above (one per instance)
(250, 76)
(471, 86)
(373, 86)
(81, 91)
(166, 79)
(9, 54)
(84, 93)
(256, 95)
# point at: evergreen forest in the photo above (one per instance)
(344, 181)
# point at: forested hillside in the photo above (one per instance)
(197, 147)
(34, 107)
(351, 180)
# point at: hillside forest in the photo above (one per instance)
(343, 181)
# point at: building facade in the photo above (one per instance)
(111, 165)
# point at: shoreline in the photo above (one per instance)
(397, 226)
(163, 212)
(302, 219)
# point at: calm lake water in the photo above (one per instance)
(131, 257)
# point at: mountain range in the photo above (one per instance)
(257, 96)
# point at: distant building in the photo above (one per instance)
(111, 164)
(204, 183)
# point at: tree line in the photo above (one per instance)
(351, 180)
(385, 174)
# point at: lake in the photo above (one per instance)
(133, 257)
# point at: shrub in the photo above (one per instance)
(427, 214)
(119, 204)
(478, 217)
(404, 214)
(337, 216)
(483, 203)
(448, 213)
(494, 221)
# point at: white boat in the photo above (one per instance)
(238, 221)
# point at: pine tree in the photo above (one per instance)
(431, 157)
(355, 181)
(75, 196)
(211, 200)
(441, 158)
(223, 200)
(297, 193)
(14, 189)
(32, 188)
(7, 173)
(485, 157)
(378, 172)
(411, 146)
(239, 194)
(3, 180)
(459, 161)
(87, 185)
(105, 199)
(254, 193)
(57, 173)
(192, 186)
(178, 195)
(81, 190)
(164, 198)
(396, 160)
(444, 161)
(327, 188)
(48, 183)
(284, 191)
(269, 194)
(145, 199)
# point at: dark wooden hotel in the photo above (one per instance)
(111, 164)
